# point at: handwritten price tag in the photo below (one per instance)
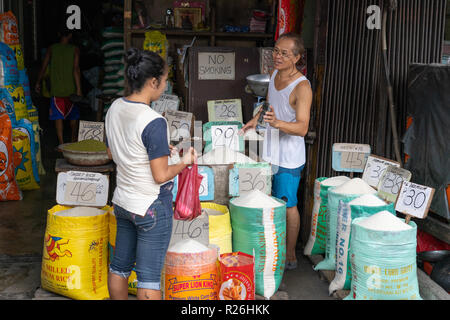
(391, 183)
(414, 199)
(375, 168)
(348, 157)
(166, 102)
(197, 229)
(91, 130)
(206, 189)
(225, 110)
(180, 124)
(247, 177)
(77, 188)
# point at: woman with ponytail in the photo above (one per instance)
(138, 139)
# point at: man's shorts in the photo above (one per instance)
(63, 108)
(285, 183)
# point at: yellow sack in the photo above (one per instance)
(219, 226)
(19, 56)
(132, 279)
(33, 116)
(75, 253)
(15, 96)
(23, 162)
(157, 42)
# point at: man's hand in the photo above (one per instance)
(271, 119)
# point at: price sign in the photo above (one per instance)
(196, 229)
(225, 110)
(391, 182)
(225, 136)
(375, 168)
(206, 189)
(180, 124)
(414, 199)
(247, 177)
(91, 130)
(166, 102)
(79, 188)
(349, 157)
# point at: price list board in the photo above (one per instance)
(349, 157)
(391, 183)
(79, 188)
(225, 110)
(245, 177)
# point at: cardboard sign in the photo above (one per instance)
(166, 102)
(375, 168)
(196, 229)
(391, 183)
(91, 130)
(414, 199)
(180, 124)
(349, 157)
(79, 188)
(226, 136)
(225, 110)
(245, 177)
(206, 189)
(216, 65)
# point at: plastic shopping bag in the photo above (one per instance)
(187, 202)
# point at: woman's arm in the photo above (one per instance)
(161, 170)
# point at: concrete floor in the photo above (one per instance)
(22, 228)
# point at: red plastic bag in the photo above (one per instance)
(187, 202)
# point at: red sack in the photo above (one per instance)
(187, 202)
(237, 276)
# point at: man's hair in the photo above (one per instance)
(299, 47)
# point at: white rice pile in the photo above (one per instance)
(212, 212)
(368, 200)
(354, 186)
(256, 199)
(335, 181)
(188, 246)
(224, 155)
(384, 221)
(80, 212)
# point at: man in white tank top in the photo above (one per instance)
(287, 122)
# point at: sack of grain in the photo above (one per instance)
(26, 171)
(363, 206)
(259, 228)
(190, 272)
(219, 226)
(350, 190)
(383, 259)
(13, 97)
(317, 239)
(74, 260)
(237, 276)
(9, 74)
(9, 32)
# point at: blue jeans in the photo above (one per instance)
(143, 240)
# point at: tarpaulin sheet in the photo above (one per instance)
(427, 141)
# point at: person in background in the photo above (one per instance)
(290, 99)
(138, 142)
(63, 60)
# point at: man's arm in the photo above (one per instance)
(302, 107)
(43, 69)
(76, 71)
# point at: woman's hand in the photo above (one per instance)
(271, 119)
(190, 157)
(173, 150)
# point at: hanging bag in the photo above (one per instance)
(187, 202)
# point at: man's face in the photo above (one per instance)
(283, 55)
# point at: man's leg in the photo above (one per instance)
(292, 230)
(59, 125)
(74, 131)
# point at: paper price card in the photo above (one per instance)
(91, 130)
(414, 199)
(391, 183)
(250, 176)
(180, 124)
(166, 102)
(196, 229)
(375, 168)
(79, 188)
(349, 157)
(225, 110)
(206, 189)
(225, 136)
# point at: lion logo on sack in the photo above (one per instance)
(53, 248)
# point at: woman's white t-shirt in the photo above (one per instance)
(135, 135)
